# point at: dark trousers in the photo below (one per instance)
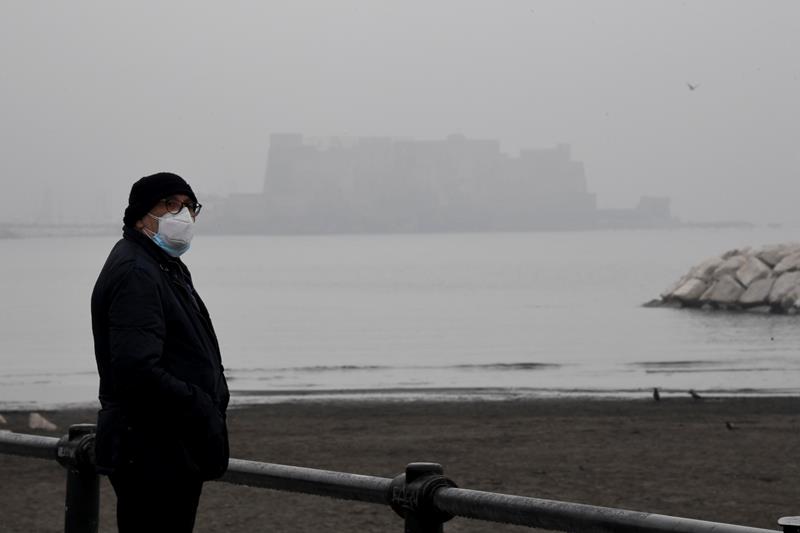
(148, 504)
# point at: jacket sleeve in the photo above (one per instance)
(136, 333)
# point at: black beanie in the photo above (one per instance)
(149, 190)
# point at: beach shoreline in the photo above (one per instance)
(242, 399)
(677, 457)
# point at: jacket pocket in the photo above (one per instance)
(112, 440)
(207, 448)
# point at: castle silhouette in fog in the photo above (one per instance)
(381, 185)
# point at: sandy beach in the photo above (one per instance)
(674, 457)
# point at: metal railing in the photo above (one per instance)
(422, 496)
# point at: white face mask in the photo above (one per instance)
(175, 232)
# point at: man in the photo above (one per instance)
(161, 429)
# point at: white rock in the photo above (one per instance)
(691, 290)
(788, 263)
(783, 285)
(736, 251)
(729, 266)
(667, 294)
(792, 298)
(757, 293)
(766, 278)
(772, 254)
(706, 269)
(37, 421)
(753, 269)
(725, 290)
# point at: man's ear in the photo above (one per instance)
(139, 225)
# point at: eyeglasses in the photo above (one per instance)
(174, 206)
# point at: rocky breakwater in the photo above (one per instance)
(765, 280)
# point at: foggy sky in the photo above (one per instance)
(94, 94)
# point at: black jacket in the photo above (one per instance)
(163, 394)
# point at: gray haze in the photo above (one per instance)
(94, 95)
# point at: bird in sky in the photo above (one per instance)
(692, 87)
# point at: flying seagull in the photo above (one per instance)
(656, 395)
(695, 395)
(692, 87)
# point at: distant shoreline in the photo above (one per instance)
(31, 231)
(441, 395)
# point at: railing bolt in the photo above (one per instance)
(75, 453)
(411, 496)
(790, 524)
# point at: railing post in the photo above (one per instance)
(411, 496)
(790, 524)
(75, 453)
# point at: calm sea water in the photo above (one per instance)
(415, 315)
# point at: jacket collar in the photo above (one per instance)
(152, 249)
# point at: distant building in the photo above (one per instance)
(381, 184)
(650, 212)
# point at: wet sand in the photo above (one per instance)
(673, 457)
